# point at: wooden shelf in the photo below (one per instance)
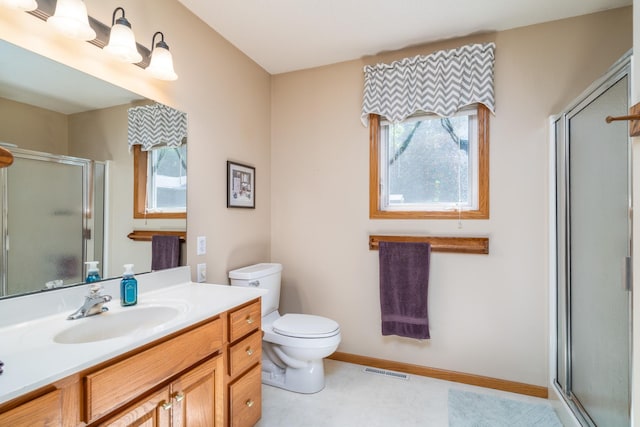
(146, 235)
(461, 245)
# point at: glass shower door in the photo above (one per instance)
(599, 246)
(45, 222)
(594, 248)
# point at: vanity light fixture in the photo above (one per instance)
(122, 41)
(71, 19)
(24, 5)
(161, 64)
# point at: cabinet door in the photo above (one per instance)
(152, 412)
(197, 396)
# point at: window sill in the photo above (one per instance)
(477, 214)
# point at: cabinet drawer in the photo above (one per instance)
(246, 399)
(121, 382)
(43, 411)
(244, 320)
(245, 353)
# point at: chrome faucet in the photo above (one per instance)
(92, 304)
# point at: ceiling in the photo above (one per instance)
(289, 35)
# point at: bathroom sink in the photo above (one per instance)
(116, 324)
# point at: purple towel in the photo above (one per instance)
(165, 252)
(404, 280)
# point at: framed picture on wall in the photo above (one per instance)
(241, 186)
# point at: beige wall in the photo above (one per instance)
(33, 128)
(488, 314)
(226, 97)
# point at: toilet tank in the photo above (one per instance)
(265, 276)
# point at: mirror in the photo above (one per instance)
(62, 123)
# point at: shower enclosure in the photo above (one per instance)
(593, 252)
(52, 220)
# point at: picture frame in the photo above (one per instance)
(241, 185)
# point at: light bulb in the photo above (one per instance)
(71, 20)
(24, 5)
(161, 64)
(122, 41)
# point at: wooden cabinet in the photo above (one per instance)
(244, 320)
(56, 404)
(197, 396)
(244, 366)
(245, 398)
(209, 375)
(194, 399)
(122, 382)
(152, 412)
(245, 353)
(43, 411)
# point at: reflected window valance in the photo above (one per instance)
(440, 83)
(156, 125)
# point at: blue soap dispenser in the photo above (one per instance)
(128, 287)
(92, 272)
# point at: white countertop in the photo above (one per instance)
(33, 359)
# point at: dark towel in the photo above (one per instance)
(404, 280)
(165, 252)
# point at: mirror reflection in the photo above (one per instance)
(68, 198)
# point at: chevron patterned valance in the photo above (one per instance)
(156, 124)
(440, 83)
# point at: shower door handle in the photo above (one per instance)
(628, 273)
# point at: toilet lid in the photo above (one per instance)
(305, 326)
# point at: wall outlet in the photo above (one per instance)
(201, 245)
(201, 272)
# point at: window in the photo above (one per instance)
(160, 182)
(430, 167)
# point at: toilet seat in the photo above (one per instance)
(305, 326)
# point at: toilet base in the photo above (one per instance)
(307, 380)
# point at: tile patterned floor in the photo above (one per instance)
(353, 398)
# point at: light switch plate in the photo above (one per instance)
(202, 245)
(201, 272)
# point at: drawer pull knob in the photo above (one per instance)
(178, 397)
(249, 351)
(249, 403)
(166, 406)
(249, 320)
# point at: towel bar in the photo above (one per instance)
(633, 117)
(145, 235)
(461, 245)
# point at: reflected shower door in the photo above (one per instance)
(45, 222)
(598, 248)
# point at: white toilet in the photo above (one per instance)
(293, 345)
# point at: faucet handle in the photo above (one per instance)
(94, 290)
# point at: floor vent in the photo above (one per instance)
(386, 373)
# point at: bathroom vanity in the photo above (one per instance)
(187, 354)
